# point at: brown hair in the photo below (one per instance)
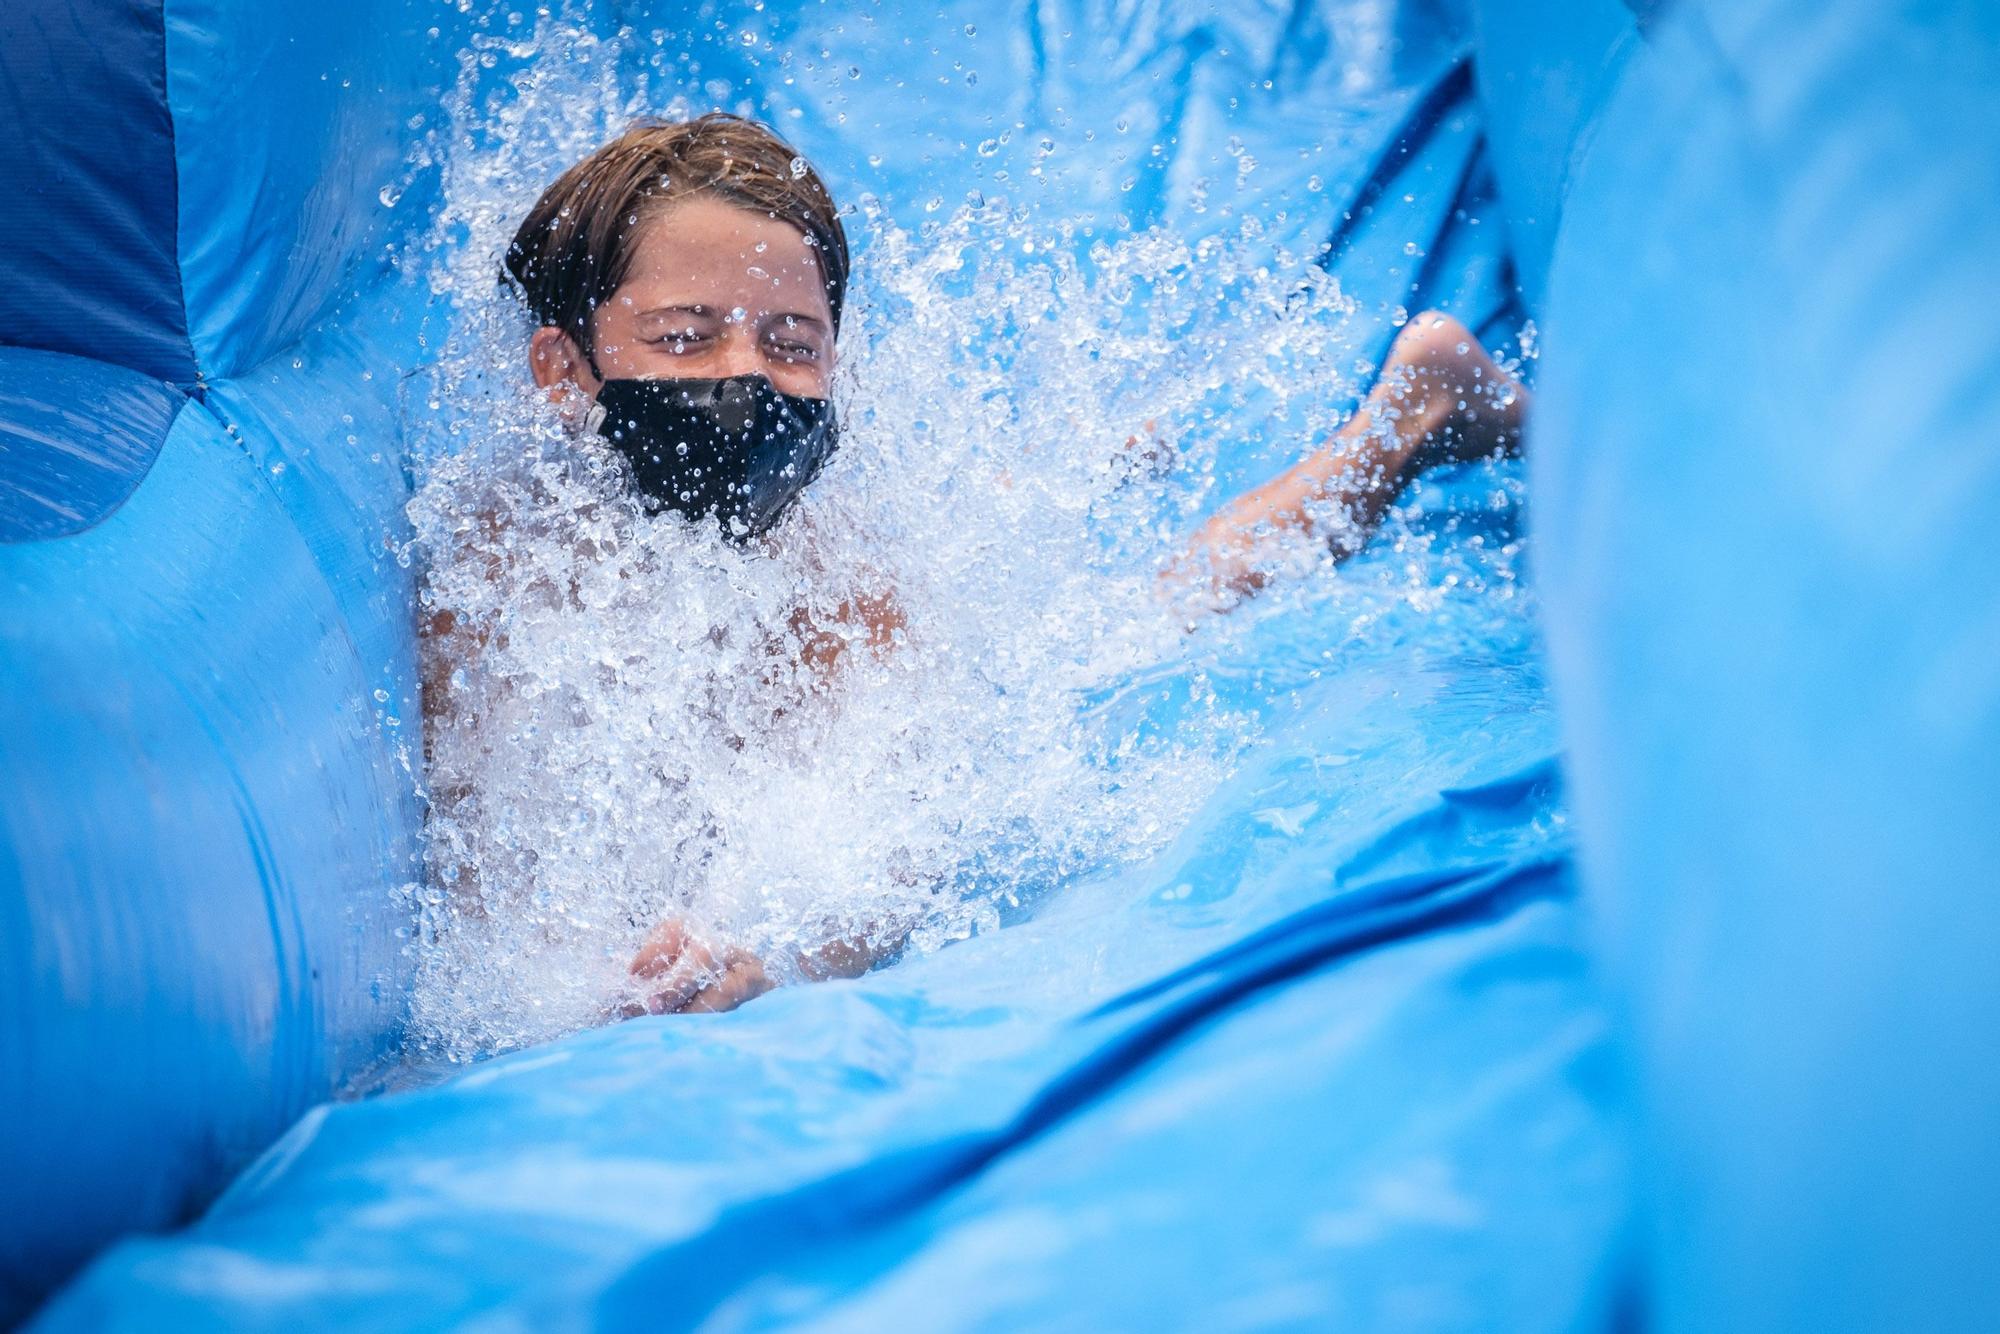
(575, 246)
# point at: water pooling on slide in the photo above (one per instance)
(1288, 999)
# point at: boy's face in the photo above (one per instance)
(714, 290)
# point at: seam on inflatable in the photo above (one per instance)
(1609, 77)
(236, 436)
(362, 668)
(1648, 13)
(198, 390)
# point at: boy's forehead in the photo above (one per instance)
(707, 238)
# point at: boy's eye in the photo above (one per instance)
(794, 350)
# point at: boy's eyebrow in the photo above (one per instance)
(697, 310)
(702, 312)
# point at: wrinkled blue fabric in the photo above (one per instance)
(207, 644)
(194, 848)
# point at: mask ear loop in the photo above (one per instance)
(593, 420)
(585, 343)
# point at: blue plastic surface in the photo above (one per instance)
(200, 832)
(206, 654)
(1767, 487)
(204, 177)
(292, 130)
(1328, 1060)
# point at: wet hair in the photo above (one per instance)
(574, 249)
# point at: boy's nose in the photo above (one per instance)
(740, 355)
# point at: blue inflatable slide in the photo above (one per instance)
(1623, 958)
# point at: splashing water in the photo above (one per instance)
(632, 719)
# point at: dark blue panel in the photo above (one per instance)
(88, 191)
(76, 437)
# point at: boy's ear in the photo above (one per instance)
(554, 359)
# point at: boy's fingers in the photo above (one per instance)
(662, 949)
(683, 976)
(672, 992)
(744, 980)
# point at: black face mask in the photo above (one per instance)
(734, 448)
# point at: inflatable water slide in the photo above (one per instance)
(1625, 961)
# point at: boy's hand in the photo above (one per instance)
(678, 973)
(1227, 560)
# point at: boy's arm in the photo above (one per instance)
(1441, 398)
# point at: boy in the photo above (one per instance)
(688, 280)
